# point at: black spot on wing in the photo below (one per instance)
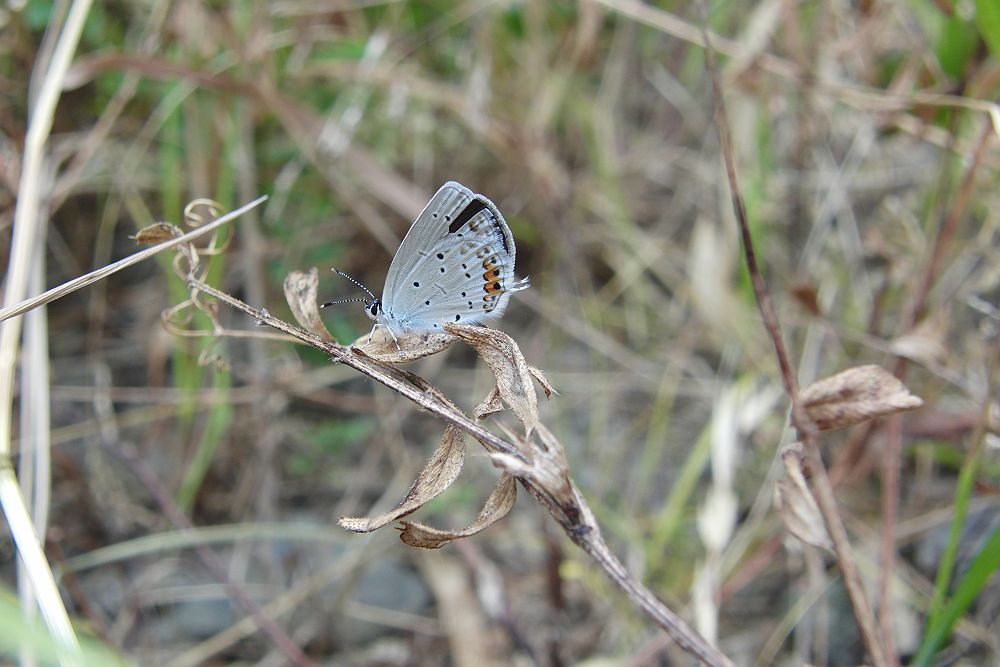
(473, 207)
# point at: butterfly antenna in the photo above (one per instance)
(334, 303)
(367, 291)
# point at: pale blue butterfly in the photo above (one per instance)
(456, 264)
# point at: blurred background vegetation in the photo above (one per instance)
(861, 130)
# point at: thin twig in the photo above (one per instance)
(914, 314)
(887, 546)
(948, 227)
(105, 271)
(593, 543)
(822, 488)
(354, 358)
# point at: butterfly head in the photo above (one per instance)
(373, 309)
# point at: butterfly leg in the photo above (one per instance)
(387, 328)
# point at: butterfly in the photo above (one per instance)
(456, 264)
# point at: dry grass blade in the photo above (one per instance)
(441, 470)
(808, 432)
(496, 507)
(856, 395)
(795, 503)
(105, 271)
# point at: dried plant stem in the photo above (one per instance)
(29, 218)
(887, 546)
(105, 271)
(913, 316)
(573, 515)
(892, 461)
(593, 543)
(822, 488)
(377, 371)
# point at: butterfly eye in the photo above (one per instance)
(375, 307)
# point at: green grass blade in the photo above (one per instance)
(988, 22)
(986, 563)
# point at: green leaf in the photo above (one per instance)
(957, 45)
(988, 22)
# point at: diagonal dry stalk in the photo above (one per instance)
(802, 417)
(535, 459)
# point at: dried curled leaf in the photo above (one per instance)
(411, 347)
(508, 366)
(440, 471)
(542, 381)
(541, 460)
(489, 406)
(300, 293)
(856, 395)
(795, 503)
(496, 507)
(158, 232)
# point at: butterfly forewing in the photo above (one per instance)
(430, 227)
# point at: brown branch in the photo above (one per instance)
(822, 488)
(892, 461)
(593, 543)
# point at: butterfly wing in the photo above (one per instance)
(428, 229)
(459, 268)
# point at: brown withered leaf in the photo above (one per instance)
(489, 406)
(795, 503)
(856, 395)
(300, 293)
(508, 366)
(542, 381)
(411, 347)
(496, 507)
(158, 232)
(440, 471)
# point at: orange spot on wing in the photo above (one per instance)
(491, 278)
